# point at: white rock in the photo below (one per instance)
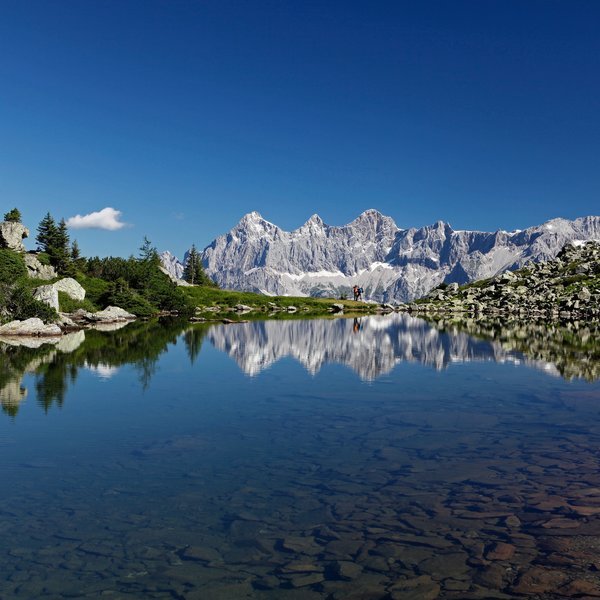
(12, 235)
(113, 314)
(47, 294)
(36, 270)
(32, 327)
(70, 287)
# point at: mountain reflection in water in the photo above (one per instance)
(371, 347)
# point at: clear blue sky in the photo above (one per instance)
(184, 115)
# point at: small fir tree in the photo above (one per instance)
(194, 272)
(13, 216)
(47, 232)
(148, 252)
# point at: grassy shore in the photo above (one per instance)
(212, 303)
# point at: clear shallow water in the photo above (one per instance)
(296, 459)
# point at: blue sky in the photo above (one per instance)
(184, 115)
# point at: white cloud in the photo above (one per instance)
(107, 218)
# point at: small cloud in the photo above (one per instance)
(107, 218)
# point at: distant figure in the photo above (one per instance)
(356, 326)
(355, 292)
(360, 293)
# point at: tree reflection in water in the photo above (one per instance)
(569, 349)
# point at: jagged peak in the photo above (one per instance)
(253, 216)
(314, 221)
(255, 220)
(372, 215)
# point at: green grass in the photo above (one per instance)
(203, 296)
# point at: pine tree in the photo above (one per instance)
(194, 271)
(60, 254)
(13, 216)
(47, 231)
(75, 252)
(148, 252)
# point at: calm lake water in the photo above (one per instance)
(381, 458)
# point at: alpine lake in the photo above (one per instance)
(377, 458)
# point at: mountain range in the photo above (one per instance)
(389, 263)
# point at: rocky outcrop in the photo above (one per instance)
(111, 314)
(30, 327)
(567, 287)
(390, 263)
(47, 294)
(72, 288)
(12, 235)
(36, 270)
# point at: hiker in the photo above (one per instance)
(355, 292)
(360, 293)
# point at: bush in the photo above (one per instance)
(131, 302)
(67, 304)
(20, 304)
(12, 266)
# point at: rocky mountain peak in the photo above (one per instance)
(391, 264)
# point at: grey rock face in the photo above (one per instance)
(390, 263)
(12, 235)
(70, 287)
(36, 270)
(47, 294)
(172, 265)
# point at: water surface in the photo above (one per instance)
(379, 458)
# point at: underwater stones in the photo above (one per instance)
(418, 588)
(301, 545)
(500, 551)
(345, 569)
(538, 580)
(201, 553)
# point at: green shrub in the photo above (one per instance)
(130, 301)
(67, 304)
(20, 304)
(12, 266)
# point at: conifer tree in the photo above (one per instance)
(194, 272)
(13, 216)
(148, 252)
(47, 231)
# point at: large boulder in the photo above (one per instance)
(31, 327)
(113, 314)
(70, 287)
(36, 270)
(12, 235)
(47, 294)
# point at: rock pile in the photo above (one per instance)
(567, 287)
